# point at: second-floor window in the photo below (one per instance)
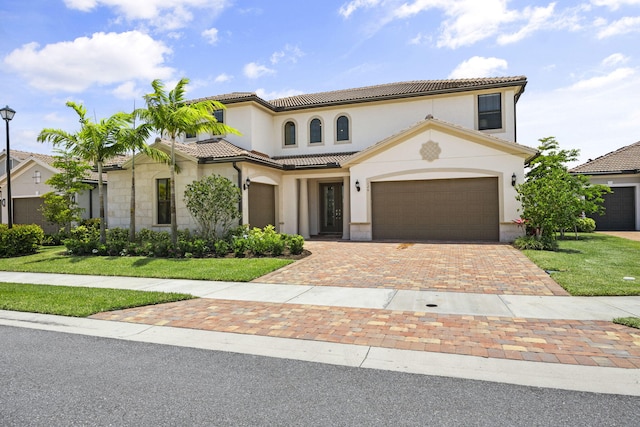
(219, 115)
(342, 129)
(289, 133)
(315, 131)
(489, 111)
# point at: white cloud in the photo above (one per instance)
(102, 59)
(615, 59)
(211, 35)
(348, 8)
(598, 119)
(277, 94)
(615, 4)
(163, 14)
(222, 78)
(537, 18)
(622, 26)
(254, 70)
(478, 67)
(420, 39)
(288, 54)
(127, 90)
(616, 76)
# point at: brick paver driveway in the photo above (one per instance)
(451, 267)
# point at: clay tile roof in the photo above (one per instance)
(393, 90)
(625, 159)
(223, 150)
(314, 160)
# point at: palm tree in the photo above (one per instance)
(171, 115)
(94, 142)
(134, 139)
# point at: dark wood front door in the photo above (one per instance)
(331, 208)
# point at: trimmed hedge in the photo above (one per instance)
(20, 240)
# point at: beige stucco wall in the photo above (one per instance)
(147, 172)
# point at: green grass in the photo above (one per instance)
(596, 264)
(633, 322)
(54, 260)
(77, 301)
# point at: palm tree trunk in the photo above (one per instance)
(172, 190)
(103, 231)
(132, 207)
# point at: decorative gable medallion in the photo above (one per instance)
(430, 151)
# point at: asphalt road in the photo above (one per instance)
(57, 379)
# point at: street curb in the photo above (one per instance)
(537, 374)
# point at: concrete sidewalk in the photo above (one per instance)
(521, 306)
(513, 311)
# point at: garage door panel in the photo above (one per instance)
(29, 211)
(452, 209)
(620, 210)
(262, 207)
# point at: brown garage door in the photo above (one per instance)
(620, 210)
(262, 205)
(443, 209)
(27, 211)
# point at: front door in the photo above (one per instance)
(331, 208)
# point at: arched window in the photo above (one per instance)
(342, 129)
(289, 133)
(315, 131)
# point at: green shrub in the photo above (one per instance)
(221, 248)
(531, 242)
(20, 240)
(83, 240)
(586, 225)
(295, 243)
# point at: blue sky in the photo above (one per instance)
(582, 57)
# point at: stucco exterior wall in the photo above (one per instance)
(459, 158)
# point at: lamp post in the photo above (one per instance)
(7, 114)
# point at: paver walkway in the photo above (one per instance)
(472, 268)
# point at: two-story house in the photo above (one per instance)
(419, 160)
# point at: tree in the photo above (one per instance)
(213, 203)
(553, 199)
(94, 142)
(60, 206)
(171, 116)
(134, 139)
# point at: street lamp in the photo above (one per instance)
(7, 114)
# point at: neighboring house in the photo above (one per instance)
(420, 160)
(29, 172)
(620, 170)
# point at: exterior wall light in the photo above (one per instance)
(247, 183)
(513, 180)
(357, 185)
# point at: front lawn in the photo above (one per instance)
(596, 264)
(54, 260)
(77, 301)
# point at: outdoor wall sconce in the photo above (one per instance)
(247, 183)
(513, 180)
(357, 185)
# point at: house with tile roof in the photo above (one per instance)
(419, 160)
(620, 170)
(29, 173)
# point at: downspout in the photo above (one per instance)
(235, 166)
